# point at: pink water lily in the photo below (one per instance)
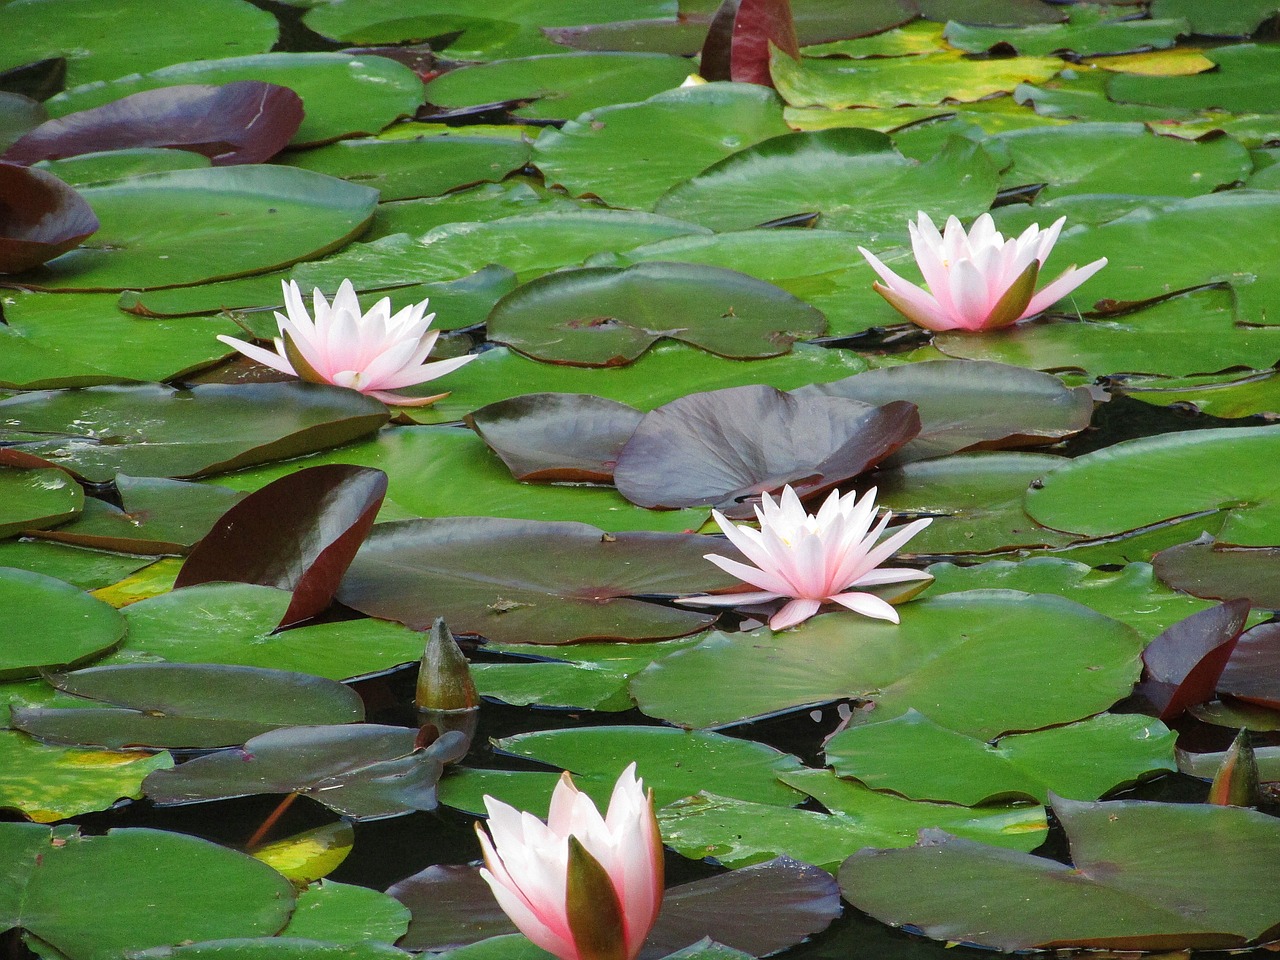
(375, 352)
(581, 886)
(814, 558)
(978, 280)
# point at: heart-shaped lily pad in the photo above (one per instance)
(1130, 887)
(361, 771)
(490, 576)
(606, 316)
(981, 662)
(62, 626)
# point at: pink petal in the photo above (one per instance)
(1070, 279)
(264, 357)
(772, 580)
(797, 611)
(970, 295)
(868, 605)
(729, 599)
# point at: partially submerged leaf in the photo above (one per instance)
(1184, 663)
(739, 37)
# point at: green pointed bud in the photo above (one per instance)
(592, 907)
(1015, 299)
(444, 677)
(1236, 782)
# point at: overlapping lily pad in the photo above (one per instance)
(34, 499)
(1245, 82)
(491, 577)
(913, 756)
(1129, 888)
(1205, 568)
(1091, 29)
(61, 625)
(992, 645)
(44, 218)
(606, 316)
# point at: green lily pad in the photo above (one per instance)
(339, 19)
(1145, 480)
(421, 167)
(35, 499)
(895, 81)
(156, 431)
(913, 756)
(274, 948)
(560, 85)
(1119, 158)
(607, 316)
(348, 914)
(1083, 96)
(1130, 888)
(91, 169)
(1228, 395)
(489, 576)
(101, 41)
(1245, 81)
(18, 114)
(186, 705)
(362, 771)
(1001, 648)
(62, 626)
(1090, 29)
(516, 194)
(529, 244)
(48, 783)
(191, 226)
(737, 832)
(1224, 18)
(234, 623)
(612, 153)
(87, 569)
(54, 890)
(342, 94)
(854, 179)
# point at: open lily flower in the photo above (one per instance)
(375, 352)
(814, 558)
(978, 280)
(581, 886)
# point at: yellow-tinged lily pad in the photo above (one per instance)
(312, 854)
(1178, 62)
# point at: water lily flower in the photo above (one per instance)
(814, 558)
(978, 280)
(581, 886)
(375, 352)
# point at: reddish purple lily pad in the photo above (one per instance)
(43, 218)
(297, 533)
(737, 44)
(726, 447)
(1183, 663)
(243, 122)
(549, 437)
(1204, 569)
(1253, 672)
(524, 581)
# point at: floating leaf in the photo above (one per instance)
(310, 855)
(361, 771)
(1253, 671)
(244, 122)
(981, 662)
(344, 913)
(186, 705)
(298, 533)
(36, 498)
(1204, 568)
(921, 760)
(740, 37)
(62, 626)
(607, 316)
(1091, 28)
(1129, 889)
(490, 576)
(1184, 663)
(1223, 18)
(44, 218)
(274, 948)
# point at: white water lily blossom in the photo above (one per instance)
(581, 886)
(978, 280)
(814, 558)
(374, 353)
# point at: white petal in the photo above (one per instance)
(797, 611)
(868, 605)
(1062, 286)
(264, 357)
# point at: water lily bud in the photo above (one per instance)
(446, 695)
(1236, 782)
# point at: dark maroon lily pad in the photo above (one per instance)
(549, 437)
(298, 533)
(971, 404)
(1253, 672)
(726, 447)
(43, 218)
(737, 44)
(523, 581)
(453, 906)
(608, 316)
(243, 122)
(1204, 569)
(361, 771)
(1183, 663)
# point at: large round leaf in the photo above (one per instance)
(1245, 81)
(981, 662)
(105, 39)
(342, 95)
(54, 889)
(1139, 881)
(61, 625)
(1149, 480)
(519, 581)
(191, 226)
(606, 316)
(33, 499)
(560, 85)
(612, 153)
(854, 178)
(159, 432)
